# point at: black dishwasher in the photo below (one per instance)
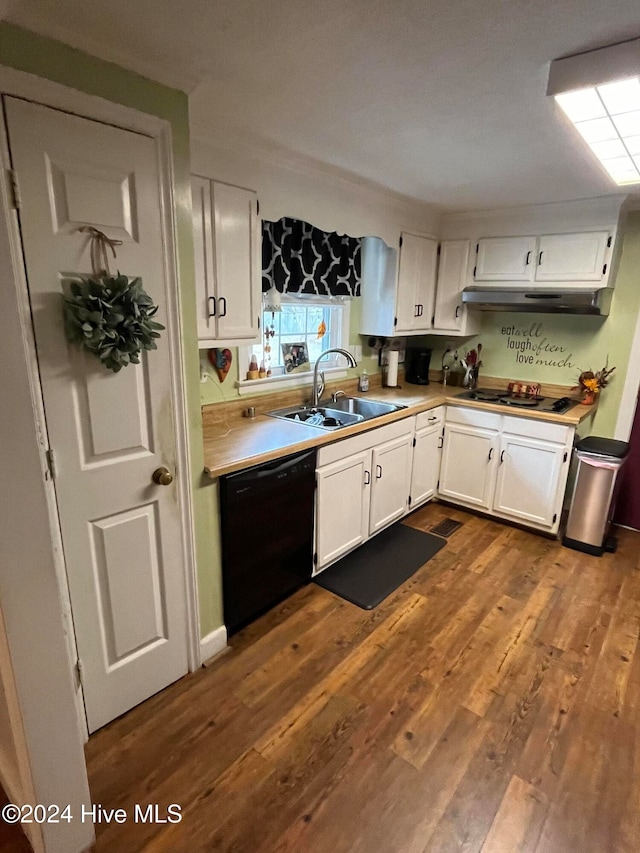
(267, 535)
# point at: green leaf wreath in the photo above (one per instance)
(110, 316)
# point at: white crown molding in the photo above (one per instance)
(610, 203)
(174, 76)
(280, 156)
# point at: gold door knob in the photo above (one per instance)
(162, 476)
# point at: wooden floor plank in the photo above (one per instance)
(491, 703)
(518, 823)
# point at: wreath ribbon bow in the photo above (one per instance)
(99, 245)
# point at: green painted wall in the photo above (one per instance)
(556, 348)
(54, 61)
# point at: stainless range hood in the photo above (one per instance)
(577, 300)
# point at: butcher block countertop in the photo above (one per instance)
(233, 442)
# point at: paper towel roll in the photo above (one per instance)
(392, 369)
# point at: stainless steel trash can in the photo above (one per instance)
(598, 462)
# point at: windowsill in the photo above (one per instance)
(281, 383)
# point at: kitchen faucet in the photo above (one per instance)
(318, 387)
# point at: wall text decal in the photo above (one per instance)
(531, 346)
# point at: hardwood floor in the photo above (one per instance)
(491, 704)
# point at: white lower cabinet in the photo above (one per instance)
(342, 508)
(391, 478)
(532, 471)
(510, 467)
(427, 451)
(468, 464)
(363, 486)
(515, 468)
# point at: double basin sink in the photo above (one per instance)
(335, 414)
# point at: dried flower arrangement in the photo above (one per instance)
(591, 383)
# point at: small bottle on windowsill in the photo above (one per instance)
(363, 381)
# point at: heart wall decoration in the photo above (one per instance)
(221, 359)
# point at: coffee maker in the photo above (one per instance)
(416, 366)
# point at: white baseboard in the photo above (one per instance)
(213, 643)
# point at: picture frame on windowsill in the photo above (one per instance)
(295, 357)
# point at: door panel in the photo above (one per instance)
(100, 436)
(505, 259)
(454, 257)
(236, 253)
(391, 480)
(416, 282)
(342, 507)
(121, 533)
(84, 193)
(203, 250)
(128, 582)
(528, 479)
(572, 257)
(426, 465)
(468, 464)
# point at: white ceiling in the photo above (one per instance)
(442, 101)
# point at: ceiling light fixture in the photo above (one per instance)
(599, 91)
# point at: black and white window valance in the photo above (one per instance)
(299, 258)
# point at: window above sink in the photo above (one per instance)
(299, 321)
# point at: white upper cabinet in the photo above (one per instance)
(410, 302)
(227, 243)
(579, 257)
(572, 257)
(505, 259)
(416, 283)
(452, 271)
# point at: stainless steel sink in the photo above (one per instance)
(321, 417)
(332, 414)
(360, 406)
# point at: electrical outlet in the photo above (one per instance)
(356, 352)
(204, 373)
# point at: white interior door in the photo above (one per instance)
(121, 532)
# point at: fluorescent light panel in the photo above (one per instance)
(608, 119)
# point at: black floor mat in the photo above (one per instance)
(446, 527)
(372, 572)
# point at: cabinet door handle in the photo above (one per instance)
(490, 454)
(224, 312)
(416, 312)
(420, 310)
(212, 306)
(527, 260)
(502, 456)
(433, 418)
(367, 477)
(378, 472)
(440, 443)
(540, 258)
(457, 311)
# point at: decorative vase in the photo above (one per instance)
(470, 380)
(589, 398)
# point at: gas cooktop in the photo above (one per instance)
(558, 405)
